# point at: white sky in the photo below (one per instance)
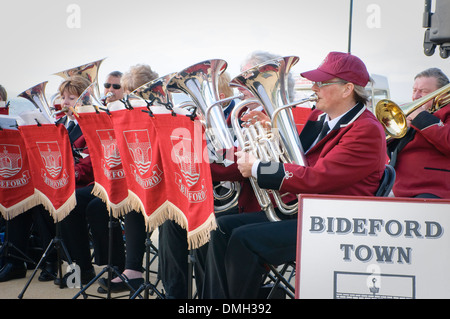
(171, 35)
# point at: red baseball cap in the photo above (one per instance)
(340, 65)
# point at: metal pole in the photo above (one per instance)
(350, 27)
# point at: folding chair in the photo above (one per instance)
(282, 278)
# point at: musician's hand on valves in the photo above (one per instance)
(245, 162)
(256, 116)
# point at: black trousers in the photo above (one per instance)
(240, 248)
(20, 229)
(135, 236)
(91, 213)
(173, 257)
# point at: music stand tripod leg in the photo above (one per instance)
(7, 245)
(146, 286)
(58, 244)
(109, 268)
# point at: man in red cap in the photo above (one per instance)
(345, 151)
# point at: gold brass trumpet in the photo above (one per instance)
(393, 117)
(268, 83)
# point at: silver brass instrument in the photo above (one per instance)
(88, 71)
(36, 95)
(156, 91)
(393, 117)
(268, 82)
(200, 83)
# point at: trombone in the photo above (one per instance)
(393, 117)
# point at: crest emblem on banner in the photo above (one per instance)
(52, 160)
(51, 157)
(10, 160)
(140, 149)
(111, 161)
(109, 147)
(184, 154)
(187, 160)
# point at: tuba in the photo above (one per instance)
(393, 117)
(200, 83)
(268, 82)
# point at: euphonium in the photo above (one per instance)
(156, 91)
(393, 117)
(89, 71)
(200, 83)
(268, 82)
(36, 95)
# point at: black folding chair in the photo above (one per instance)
(281, 279)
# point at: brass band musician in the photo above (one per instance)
(422, 157)
(348, 160)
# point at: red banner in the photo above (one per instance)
(16, 186)
(110, 182)
(188, 175)
(137, 142)
(52, 167)
(167, 177)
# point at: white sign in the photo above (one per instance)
(370, 247)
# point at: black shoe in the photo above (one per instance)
(85, 278)
(10, 271)
(119, 286)
(49, 272)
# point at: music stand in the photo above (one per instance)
(146, 286)
(108, 268)
(7, 245)
(58, 244)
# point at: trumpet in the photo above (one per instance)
(393, 117)
(280, 143)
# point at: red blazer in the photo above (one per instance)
(247, 201)
(350, 160)
(423, 165)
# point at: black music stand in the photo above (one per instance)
(108, 268)
(147, 286)
(7, 245)
(58, 244)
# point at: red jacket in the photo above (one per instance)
(349, 160)
(423, 165)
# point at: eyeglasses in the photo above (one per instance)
(321, 84)
(115, 86)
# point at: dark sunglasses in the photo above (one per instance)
(115, 86)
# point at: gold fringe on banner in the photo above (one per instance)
(60, 213)
(117, 210)
(168, 211)
(19, 208)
